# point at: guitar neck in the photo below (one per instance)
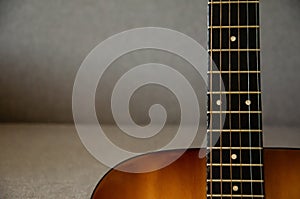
(234, 160)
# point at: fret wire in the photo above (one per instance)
(235, 130)
(243, 26)
(234, 92)
(233, 195)
(234, 50)
(233, 112)
(231, 2)
(223, 71)
(233, 180)
(237, 148)
(235, 165)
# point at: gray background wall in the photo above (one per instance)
(42, 44)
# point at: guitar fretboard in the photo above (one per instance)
(234, 160)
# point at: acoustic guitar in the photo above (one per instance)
(236, 164)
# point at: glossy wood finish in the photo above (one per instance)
(186, 177)
(282, 174)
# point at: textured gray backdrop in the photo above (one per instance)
(42, 44)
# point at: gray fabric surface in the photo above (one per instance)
(49, 161)
(45, 162)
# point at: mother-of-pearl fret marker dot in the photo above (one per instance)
(235, 188)
(248, 102)
(234, 156)
(219, 102)
(233, 38)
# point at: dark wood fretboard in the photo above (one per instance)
(234, 160)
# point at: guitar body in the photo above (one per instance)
(186, 177)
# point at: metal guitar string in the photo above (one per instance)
(258, 98)
(249, 106)
(239, 89)
(210, 101)
(220, 114)
(230, 106)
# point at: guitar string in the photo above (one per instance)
(229, 96)
(249, 106)
(258, 98)
(220, 84)
(239, 88)
(210, 101)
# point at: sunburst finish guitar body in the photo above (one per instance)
(186, 177)
(236, 165)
